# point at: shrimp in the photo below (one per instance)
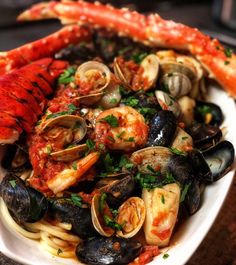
(121, 128)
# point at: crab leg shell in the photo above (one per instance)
(44, 47)
(151, 30)
(70, 176)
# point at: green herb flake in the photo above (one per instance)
(111, 120)
(169, 178)
(138, 57)
(184, 138)
(227, 62)
(150, 168)
(120, 135)
(184, 192)
(74, 166)
(228, 52)
(76, 199)
(67, 76)
(130, 139)
(108, 161)
(124, 162)
(13, 183)
(48, 149)
(176, 151)
(102, 202)
(72, 108)
(113, 101)
(111, 139)
(124, 50)
(163, 199)
(165, 256)
(59, 251)
(111, 223)
(90, 144)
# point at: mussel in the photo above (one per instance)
(162, 128)
(65, 210)
(204, 135)
(220, 159)
(110, 251)
(25, 203)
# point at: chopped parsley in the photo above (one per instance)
(13, 183)
(111, 120)
(48, 149)
(120, 135)
(227, 62)
(71, 109)
(138, 57)
(59, 251)
(184, 138)
(67, 76)
(124, 50)
(150, 168)
(176, 151)
(165, 256)
(162, 198)
(130, 139)
(228, 52)
(111, 139)
(124, 162)
(184, 192)
(113, 101)
(90, 144)
(76, 199)
(74, 166)
(111, 223)
(131, 101)
(169, 178)
(102, 202)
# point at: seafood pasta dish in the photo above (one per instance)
(109, 140)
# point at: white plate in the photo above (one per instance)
(186, 239)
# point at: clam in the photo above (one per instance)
(99, 209)
(187, 106)
(146, 73)
(131, 216)
(94, 75)
(162, 205)
(25, 203)
(156, 157)
(168, 103)
(68, 130)
(162, 128)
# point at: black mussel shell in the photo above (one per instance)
(119, 190)
(202, 108)
(145, 101)
(109, 251)
(80, 218)
(204, 135)
(200, 166)
(181, 169)
(25, 203)
(162, 128)
(220, 159)
(193, 197)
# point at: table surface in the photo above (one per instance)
(219, 246)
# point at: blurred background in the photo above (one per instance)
(214, 17)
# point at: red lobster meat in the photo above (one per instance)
(151, 30)
(23, 95)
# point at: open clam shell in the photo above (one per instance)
(98, 218)
(71, 129)
(131, 216)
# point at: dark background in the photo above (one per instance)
(219, 246)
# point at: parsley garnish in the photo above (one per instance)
(111, 223)
(13, 183)
(184, 192)
(124, 50)
(124, 162)
(184, 138)
(228, 52)
(102, 202)
(162, 198)
(71, 109)
(131, 101)
(138, 57)
(74, 166)
(90, 144)
(130, 139)
(119, 135)
(113, 101)
(59, 251)
(150, 168)
(76, 199)
(176, 151)
(111, 139)
(227, 62)
(165, 256)
(48, 149)
(111, 120)
(67, 76)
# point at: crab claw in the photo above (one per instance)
(42, 48)
(151, 30)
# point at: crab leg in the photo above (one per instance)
(151, 30)
(44, 47)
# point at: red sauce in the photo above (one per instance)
(162, 235)
(149, 252)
